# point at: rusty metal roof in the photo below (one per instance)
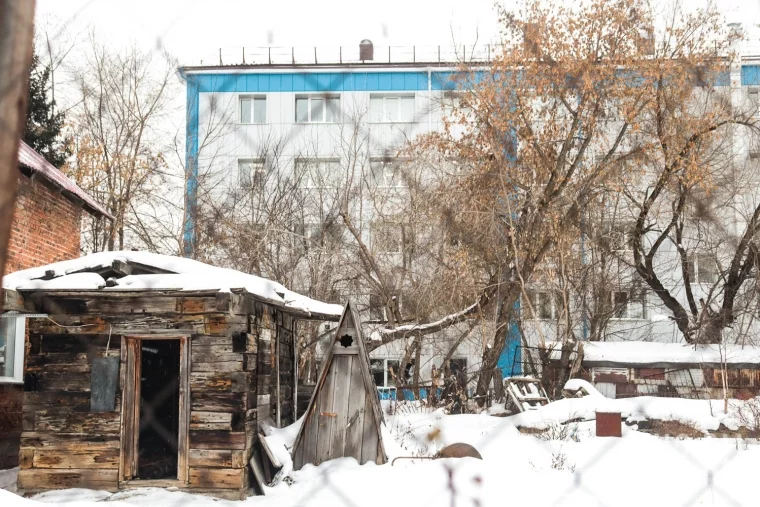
(33, 161)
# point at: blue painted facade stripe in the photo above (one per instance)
(191, 167)
(368, 81)
(325, 82)
(750, 75)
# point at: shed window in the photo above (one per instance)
(12, 332)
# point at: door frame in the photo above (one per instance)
(131, 361)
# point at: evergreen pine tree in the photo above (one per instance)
(43, 123)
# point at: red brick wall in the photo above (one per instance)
(46, 228)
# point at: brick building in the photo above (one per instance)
(46, 228)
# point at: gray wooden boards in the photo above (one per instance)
(104, 379)
(344, 417)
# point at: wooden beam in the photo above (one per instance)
(121, 268)
(14, 301)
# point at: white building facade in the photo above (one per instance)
(312, 118)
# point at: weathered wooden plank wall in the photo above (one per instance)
(63, 444)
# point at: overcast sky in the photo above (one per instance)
(194, 29)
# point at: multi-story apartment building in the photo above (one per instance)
(318, 115)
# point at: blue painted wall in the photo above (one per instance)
(310, 82)
(751, 75)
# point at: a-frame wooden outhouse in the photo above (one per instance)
(344, 414)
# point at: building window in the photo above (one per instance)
(391, 108)
(457, 102)
(311, 235)
(628, 305)
(251, 173)
(546, 305)
(386, 172)
(387, 237)
(703, 268)
(384, 371)
(317, 109)
(253, 109)
(319, 172)
(377, 307)
(457, 365)
(753, 94)
(754, 146)
(618, 238)
(12, 333)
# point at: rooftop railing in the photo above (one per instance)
(343, 55)
(389, 55)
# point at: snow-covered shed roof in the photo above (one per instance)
(145, 271)
(650, 353)
(29, 159)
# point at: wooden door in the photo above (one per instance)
(130, 408)
(130, 414)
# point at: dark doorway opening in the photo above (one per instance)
(159, 409)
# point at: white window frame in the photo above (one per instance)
(386, 167)
(255, 182)
(452, 102)
(385, 370)
(309, 98)
(252, 98)
(312, 163)
(618, 233)
(555, 309)
(696, 262)
(385, 116)
(753, 96)
(18, 342)
(309, 234)
(632, 296)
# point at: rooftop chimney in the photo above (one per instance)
(366, 50)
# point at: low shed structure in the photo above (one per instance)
(344, 415)
(150, 370)
(626, 369)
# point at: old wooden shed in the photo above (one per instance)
(151, 370)
(344, 415)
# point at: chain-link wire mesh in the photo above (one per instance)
(541, 460)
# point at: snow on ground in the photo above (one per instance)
(573, 468)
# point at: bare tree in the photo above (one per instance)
(551, 124)
(119, 152)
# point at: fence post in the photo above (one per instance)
(270, 54)
(315, 55)
(439, 54)
(340, 54)
(220, 56)
(414, 54)
(293, 54)
(243, 55)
